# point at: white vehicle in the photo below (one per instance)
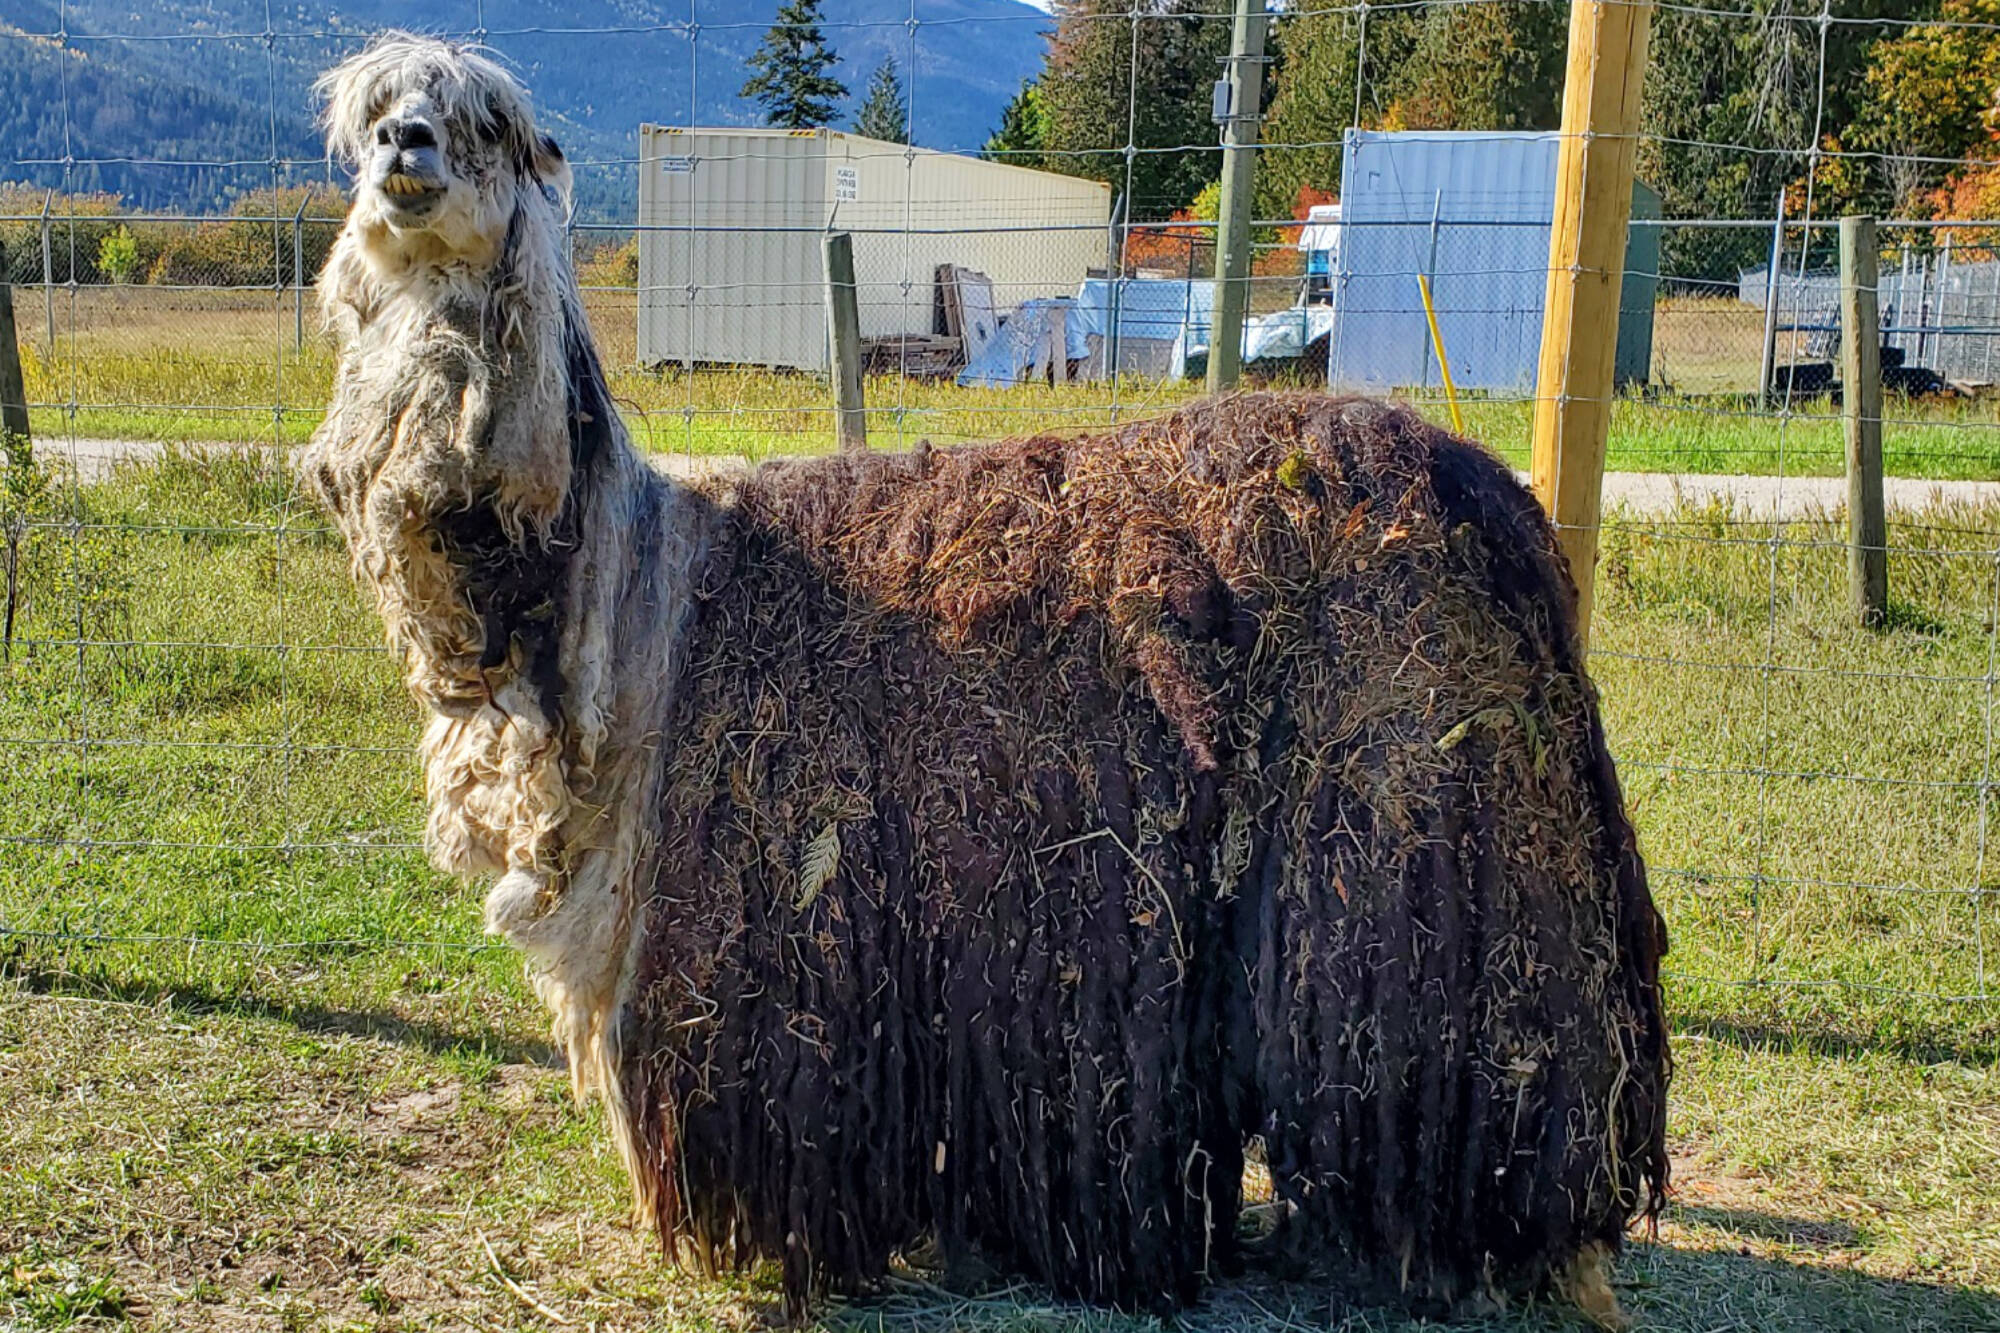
(1319, 239)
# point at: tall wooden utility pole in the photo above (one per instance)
(1239, 115)
(1600, 127)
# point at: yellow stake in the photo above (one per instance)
(1444, 366)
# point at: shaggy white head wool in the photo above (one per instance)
(529, 567)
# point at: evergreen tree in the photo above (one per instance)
(885, 111)
(1024, 129)
(789, 70)
(1311, 107)
(1728, 117)
(1439, 67)
(1175, 48)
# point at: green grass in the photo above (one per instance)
(323, 1113)
(205, 366)
(762, 415)
(1956, 439)
(178, 1160)
(1819, 821)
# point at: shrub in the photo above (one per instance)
(118, 255)
(610, 265)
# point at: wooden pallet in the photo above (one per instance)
(966, 299)
(918, 355)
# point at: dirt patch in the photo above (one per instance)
(424, 1106)
(516, 1087)
(1757, 1213)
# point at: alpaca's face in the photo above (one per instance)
(406, 167)
(450, 293)
(441, 139)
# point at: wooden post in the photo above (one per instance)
(49, 275)
(1861, 413)
(1239, 188)
(843, 338)
(13, 385)
(299, 276)
(1593, 208)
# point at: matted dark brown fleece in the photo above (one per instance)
(1046, 819)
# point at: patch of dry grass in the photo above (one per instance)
(174, 365)
(180, 1162)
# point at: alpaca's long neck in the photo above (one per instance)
(528, 564)
(609, 651)
(535, 573)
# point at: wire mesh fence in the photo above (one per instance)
(203, 746)
(1940, 313)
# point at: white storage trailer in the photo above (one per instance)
(732, 220)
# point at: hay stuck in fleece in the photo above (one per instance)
(1043, 819)
(975, 850)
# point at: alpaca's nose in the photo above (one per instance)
(406, 133)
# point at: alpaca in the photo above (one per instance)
(984, 848)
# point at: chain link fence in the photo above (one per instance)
(1940, 312)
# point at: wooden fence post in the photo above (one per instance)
(1861, 414)
(49, 275)
(1593, 208)
(299, 275)
(13, 384)
(843, 337)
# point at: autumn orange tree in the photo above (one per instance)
(1972, 192)
(1928, 103)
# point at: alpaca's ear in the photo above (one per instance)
(548, 165)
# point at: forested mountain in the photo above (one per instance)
(177, 104)
(183, 104)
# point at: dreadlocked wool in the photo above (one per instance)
(1044, 819)
(979, 850)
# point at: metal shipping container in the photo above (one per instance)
(731, 224)
(1471, 210)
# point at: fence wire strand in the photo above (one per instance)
(189, 646)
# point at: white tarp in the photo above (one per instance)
(1172, 313)
(1168, 314)
(1022, 344)
(1284, 334)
